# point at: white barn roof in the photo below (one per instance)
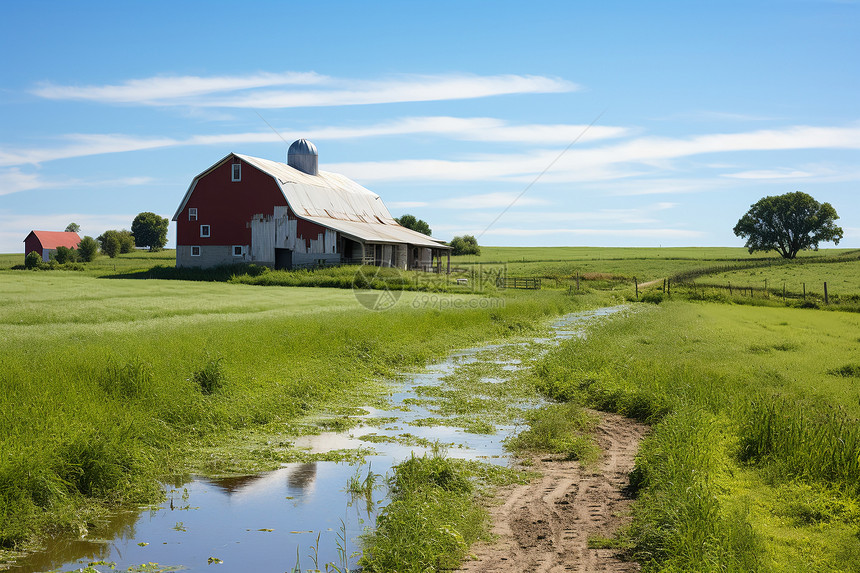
(334, 201)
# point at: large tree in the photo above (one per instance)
(87, 249)
(789, 224)
(150, 230)
(113, 243)
(465, 245)
(412, 222)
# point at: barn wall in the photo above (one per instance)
(227, 206)
(210, 256)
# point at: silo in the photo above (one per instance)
(304, 157)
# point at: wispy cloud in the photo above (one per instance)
(488, 200)
(465, 129)
(769, 174)
(255, 91)
(14, 180)
(161, 90)
(635, 156)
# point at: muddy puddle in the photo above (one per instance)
(302, 516)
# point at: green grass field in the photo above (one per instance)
(597, 264)
(841, 278)
(754, 461)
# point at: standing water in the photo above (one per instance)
(301, 517)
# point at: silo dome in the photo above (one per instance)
(304, 157)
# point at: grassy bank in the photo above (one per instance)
(436, 513)
(107, 386)
(754, 460)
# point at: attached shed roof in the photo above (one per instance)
(334, 201)
(54, 239)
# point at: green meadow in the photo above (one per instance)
(842, 278)
(604, 265)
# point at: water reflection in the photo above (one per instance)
(302, 476)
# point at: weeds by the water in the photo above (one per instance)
(433, 516)
(559, 429)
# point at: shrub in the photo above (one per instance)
(87, 249)
(32, 260)
(65, 255)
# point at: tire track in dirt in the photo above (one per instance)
(544, 526)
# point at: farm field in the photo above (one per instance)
(601, 264)
(754, 459)
(842, 278)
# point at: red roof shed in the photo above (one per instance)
(43, 242)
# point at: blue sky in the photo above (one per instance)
(449, 110)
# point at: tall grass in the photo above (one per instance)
(800, 441)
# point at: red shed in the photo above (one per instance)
(46, 242)
(245, 209)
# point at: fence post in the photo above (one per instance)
(783, 292)
(636, 284)
(664, 286)
(668, 287)
(826, 300)
(804, 291)
(577, 281)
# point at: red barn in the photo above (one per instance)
(245, 209)
(46, 242)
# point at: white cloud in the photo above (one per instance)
(199, 92)
(160, 89)
(13, 180)
(646, 154)
(488, 200)
(466, 129)
(769, 174)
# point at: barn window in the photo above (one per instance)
(238, 250)
(237, 172)
(192, 213)
(204, 230)
(195, 251)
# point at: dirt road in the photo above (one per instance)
(544, 526)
